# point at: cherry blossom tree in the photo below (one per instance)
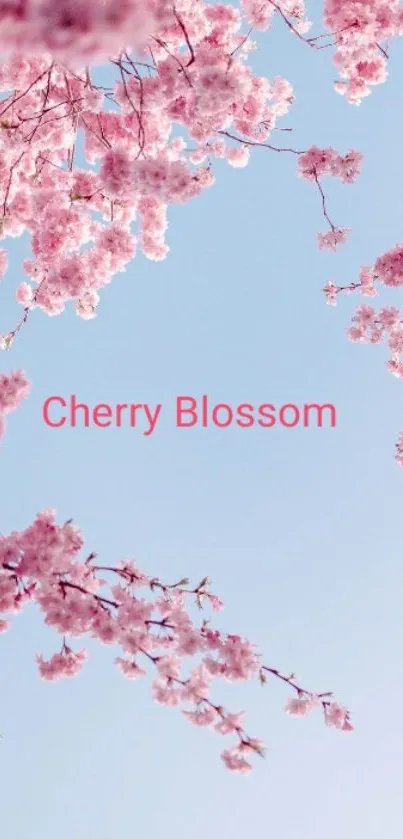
(182, 94)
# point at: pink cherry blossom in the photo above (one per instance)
(333, 238)
(13, 389)
(337, 717)
(300, 707)
(61, 664)
(235, 762)
(25, 294)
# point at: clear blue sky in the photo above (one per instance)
(300, 529)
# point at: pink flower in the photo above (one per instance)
(338, 717)
(376, 336)
(130, 669)
(389, 317)
(333, 239)
(165, 695)
(239, 657)
(216, 603)
(258, 14)
(364, 316)
(389, 267)
(315, 163)
(396, 368)
(367, 277)
(198, 686)
(25, 294)
(119, 244)
(189, 642)
(396, 339)
(93, 100)
(301, 706)
(331, 293)
(169, 667)
(86, 307)
(13, 389)
(202, 716)
(357, 333)
(237, 157)
(61, 665)
(230, 724)
(235, 761)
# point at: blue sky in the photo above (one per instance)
(300, 529)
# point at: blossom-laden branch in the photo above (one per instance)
(153, 625)
(192, 76)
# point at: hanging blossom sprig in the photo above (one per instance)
(360, 32)
(382, 326)
(156, 627)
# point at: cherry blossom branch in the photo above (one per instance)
(146, 618)
(314, 162)
(142, 170)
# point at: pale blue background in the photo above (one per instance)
(300, 529)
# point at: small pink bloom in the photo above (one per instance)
(201, 717)
(235, 761)
(300, 707)
(25, 294)
(333, 238)
(129, 668)
(337, 717)
(3, 262)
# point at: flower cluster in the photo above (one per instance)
(371, 327)
(316, 164)
(13, 389)
(153, 626)
(360, 29)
